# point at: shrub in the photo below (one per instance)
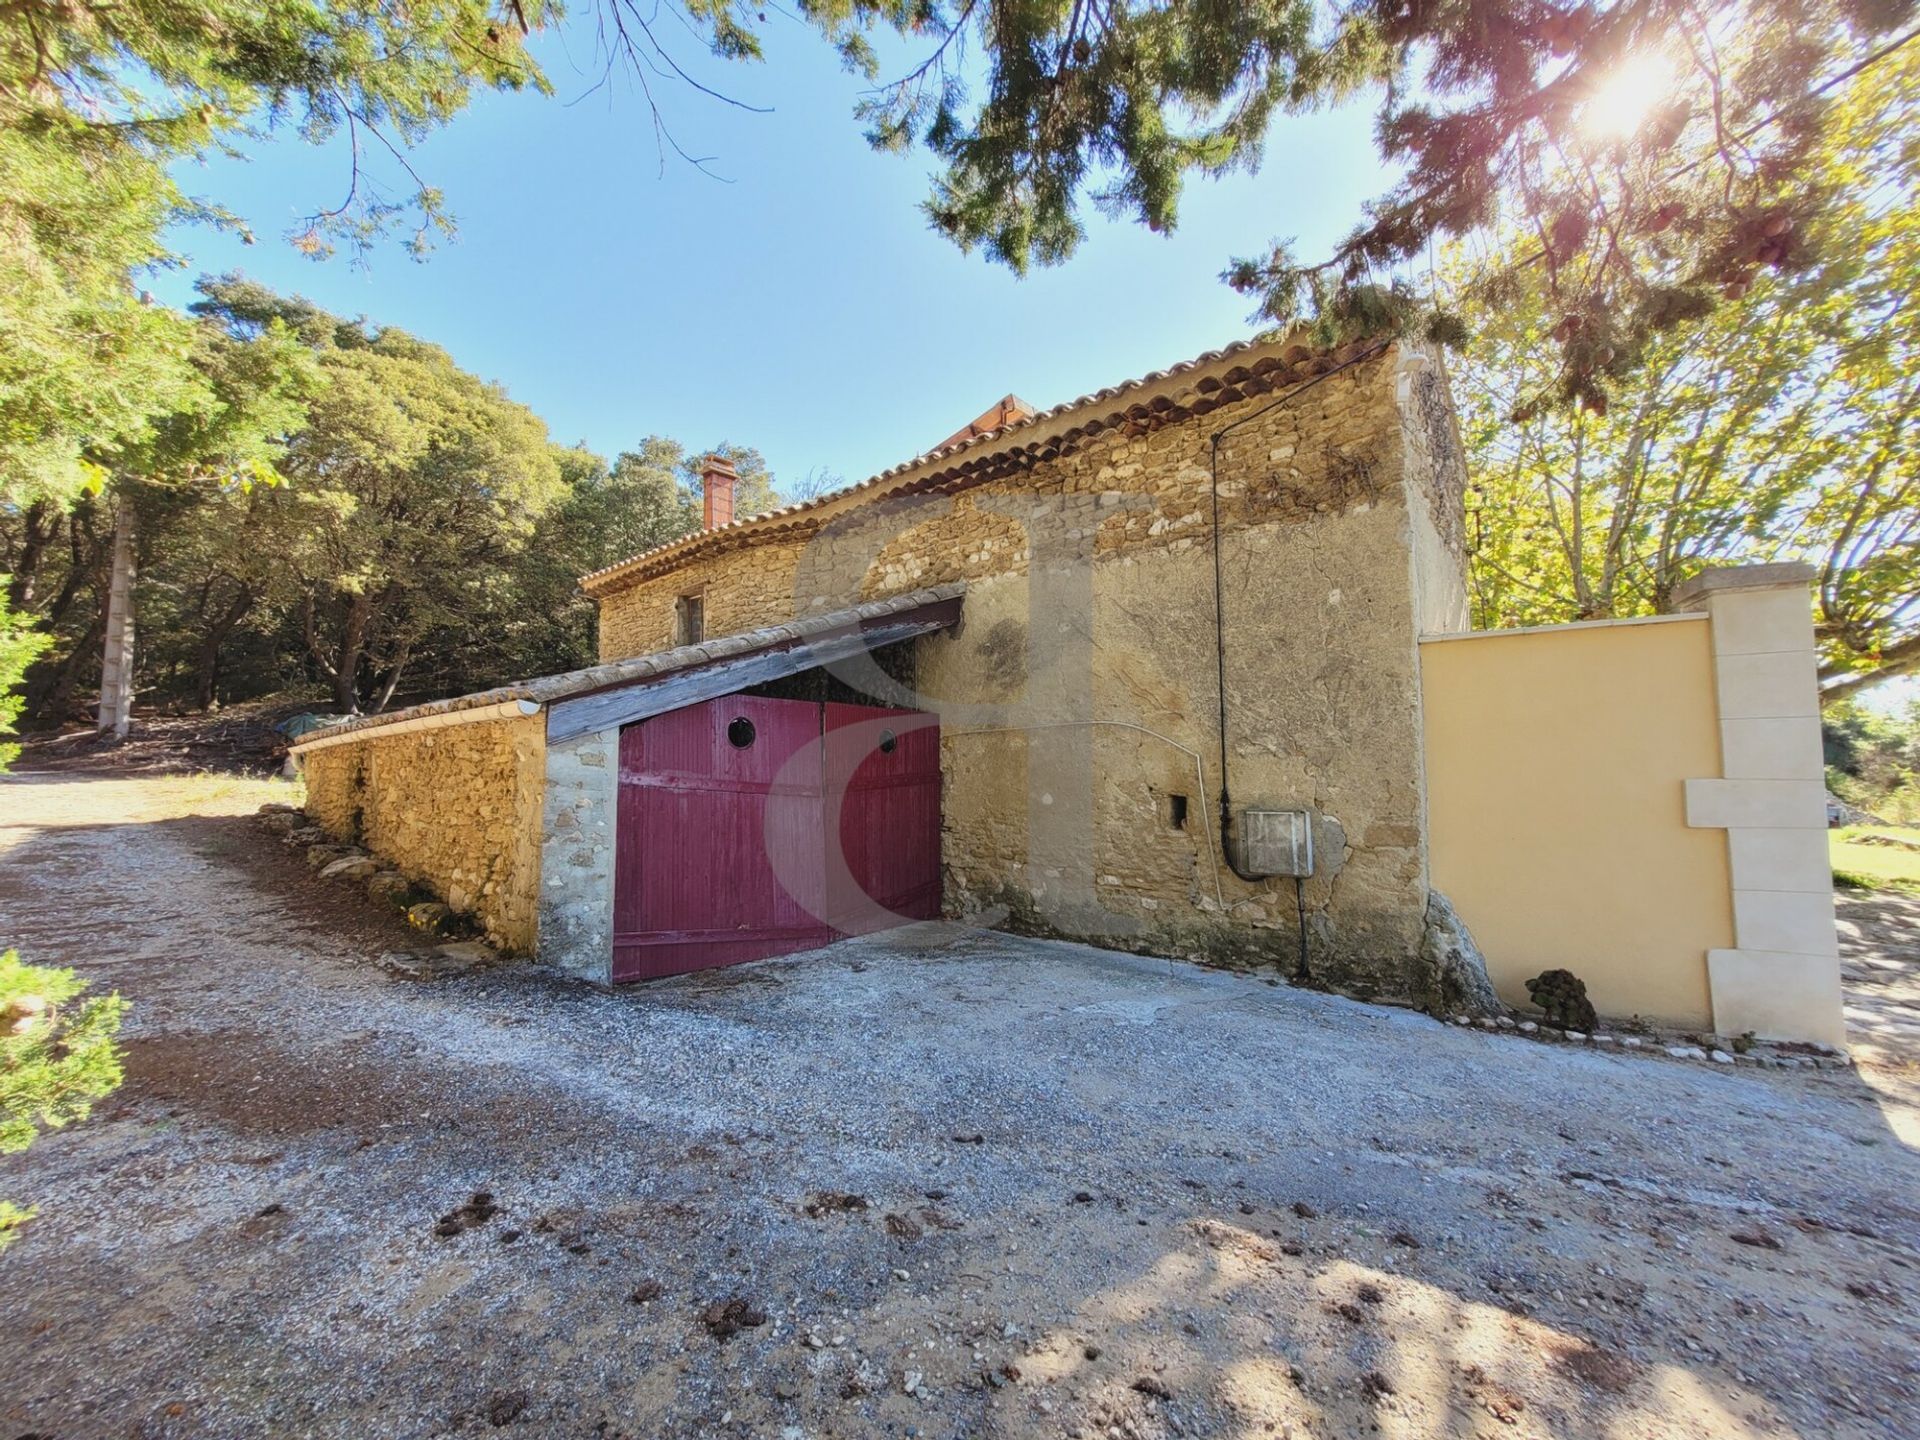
(58, 1054)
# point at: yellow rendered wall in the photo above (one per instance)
(1556, 809)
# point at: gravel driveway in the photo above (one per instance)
(939, 1183)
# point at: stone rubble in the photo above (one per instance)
(392, 890)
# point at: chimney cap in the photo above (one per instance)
(718, 465)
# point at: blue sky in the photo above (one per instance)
(803, 306)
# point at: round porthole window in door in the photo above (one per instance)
(740, 733)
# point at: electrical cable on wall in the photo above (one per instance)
(1220, 629)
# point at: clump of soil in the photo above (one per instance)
(568, 1228)
(727, 1318)
(1606, 1370)
(1563, 995)
(833, 1202)
(506, 1406)
(471, 1216)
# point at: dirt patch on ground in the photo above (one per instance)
(338, 911)
(256, 1087)
(1102, 1195)
(239, 740)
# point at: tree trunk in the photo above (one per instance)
(84, 564)
(42, 523)
(393, 677)
(207, 665)
(116, 666)
(353, 640)
(1901, 658)
(51, 697)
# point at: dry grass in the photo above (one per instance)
(1866, 866)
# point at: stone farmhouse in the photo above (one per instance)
(1145, 668)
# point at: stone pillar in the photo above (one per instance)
(577, 854)
(1782, 981)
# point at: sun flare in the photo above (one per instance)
(1622, 101)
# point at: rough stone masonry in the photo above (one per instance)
(456, 809)
(1084, 677)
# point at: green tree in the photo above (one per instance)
(1873, 759)
(20, 646)
(544, 623)
(214, 588)
(415, 488)
(643, 502)
(57, 1056)
(227, 431)
(1655, 152)
(100, 101)
(1780, 429)
(221, 432)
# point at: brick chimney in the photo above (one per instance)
(717, 477)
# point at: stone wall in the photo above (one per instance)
(454, 807)
(1341, 540)
(1352, 438)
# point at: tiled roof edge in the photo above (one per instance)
(545, 689)
(606, 579)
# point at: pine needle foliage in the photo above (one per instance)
(1655, 153)
(58, 1054)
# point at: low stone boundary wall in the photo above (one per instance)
(456, 808)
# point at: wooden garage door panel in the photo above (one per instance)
(717, 859)
(721, 854)
(889, 803)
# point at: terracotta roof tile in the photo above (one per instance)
(1003, 412)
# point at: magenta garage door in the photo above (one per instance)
(725, 813)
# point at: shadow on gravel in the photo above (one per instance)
(1097, 1194)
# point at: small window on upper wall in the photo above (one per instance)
(689, 620)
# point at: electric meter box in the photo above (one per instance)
(1276, 842)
